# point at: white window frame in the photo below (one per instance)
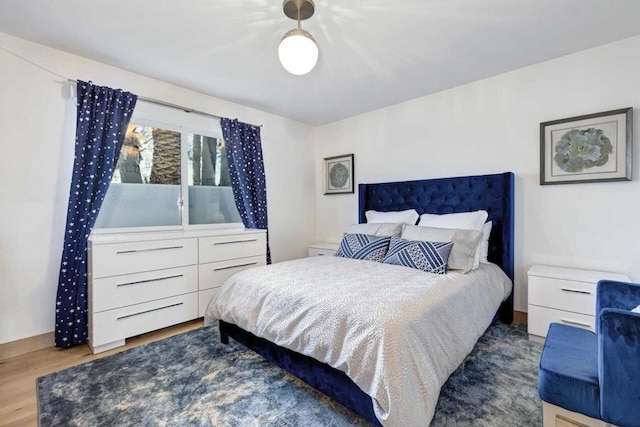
(183, 202)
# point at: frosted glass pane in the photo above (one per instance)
(212, 205)
(210, 194)
(136, 205)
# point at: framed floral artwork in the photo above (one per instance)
(593, 148)
(338, 174)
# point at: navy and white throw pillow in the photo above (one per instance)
(426, 256)
(363, 246)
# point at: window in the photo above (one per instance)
(168, 176)
(210, 195)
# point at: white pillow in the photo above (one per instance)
(462, 221)
(410, 216)
(636, 310)
(377, 229)
(484, 242)
(465, 243)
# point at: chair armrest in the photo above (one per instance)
(614, 294)
(618, 367)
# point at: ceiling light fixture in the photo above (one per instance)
(298, 51)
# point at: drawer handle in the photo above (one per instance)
(576, 323)
(149, 250)
(235, 266)
(321, 254)
(149, 311)
(150, 280)
(576, 291)
(235, 241)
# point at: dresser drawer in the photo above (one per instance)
(119, 291)
(112, 325)
(567, 295)
(539, 319)
(221, 248)
(214, 274)
(133, 257)
(203, 300)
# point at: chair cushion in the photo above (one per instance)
(569, 370)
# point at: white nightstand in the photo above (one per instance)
(563, 295)
(320, 249)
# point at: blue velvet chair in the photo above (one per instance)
(594, 378)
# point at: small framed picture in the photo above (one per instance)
(592, 148)
(338, 174)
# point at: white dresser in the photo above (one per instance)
(322, 249)
(220, 257)
(563, 295)
(140, 282)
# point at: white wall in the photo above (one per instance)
(35, 166)
(492, 126)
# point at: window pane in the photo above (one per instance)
(210, 195)
(145, 188)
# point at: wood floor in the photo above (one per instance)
(18, 374)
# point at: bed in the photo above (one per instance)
(328, 351)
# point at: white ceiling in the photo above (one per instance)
(373, 53)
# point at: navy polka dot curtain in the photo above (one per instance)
(246, 168)
(101, 124)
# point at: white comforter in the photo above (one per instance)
(397, 332)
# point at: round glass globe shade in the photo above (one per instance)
(298, 52)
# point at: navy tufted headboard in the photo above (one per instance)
(493, 193)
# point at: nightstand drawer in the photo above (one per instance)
(566, 295)
(123, 258)
(539, 319)
(214, 274)
(119, 291)
(323, 249)
(232, 246)
(321, 252)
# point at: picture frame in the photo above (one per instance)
(591, 148)
(338, 174)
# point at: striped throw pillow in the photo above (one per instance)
(363, 246)
(426, 256)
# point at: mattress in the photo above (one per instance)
(398, 333)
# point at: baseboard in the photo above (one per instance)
(26, 345)
(520, 317)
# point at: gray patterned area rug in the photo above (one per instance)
(193, 380)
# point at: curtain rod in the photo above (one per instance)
(174, 106)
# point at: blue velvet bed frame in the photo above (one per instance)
(493, 193)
